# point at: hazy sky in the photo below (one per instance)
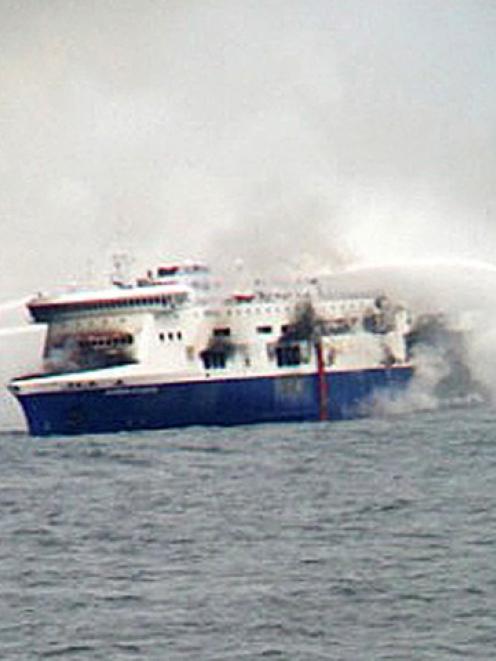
(262, 129)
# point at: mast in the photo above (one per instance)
(323, 390)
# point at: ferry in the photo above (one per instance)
(176, 348)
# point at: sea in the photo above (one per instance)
(370, 539)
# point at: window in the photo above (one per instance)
(288, 355)
(179, 335)
(161, 336)
(264, 330)
(222, 332)
(213, 359)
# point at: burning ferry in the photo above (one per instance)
(174, 349)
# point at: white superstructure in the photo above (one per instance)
(179, 328)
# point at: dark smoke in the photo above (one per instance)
(432, 332)
(305, 324)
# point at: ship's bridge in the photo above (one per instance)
(108, 301)
(193, 274)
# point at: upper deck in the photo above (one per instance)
(166, 289)
(161, 297)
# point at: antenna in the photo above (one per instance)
(121, 262)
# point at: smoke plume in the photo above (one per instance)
(280, 133)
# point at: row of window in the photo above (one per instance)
(336, 327)
(263, 330)
(164, 301)
(287, 355)
(343, 308)
(170, 336)
(247, 310)
(213, 359)
(123, 340)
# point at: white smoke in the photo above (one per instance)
(255, 130)
(463, 292)
(482, 352)
(420, 394)
(349, 132)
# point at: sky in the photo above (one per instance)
(323, 133)
(294, 136)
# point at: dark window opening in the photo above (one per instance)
(264, 330)
(288, 355)
(105, 342)
(213, 359)
(222, 332)
(165, 272)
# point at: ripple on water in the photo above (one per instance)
(361, 540)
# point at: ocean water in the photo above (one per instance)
(373, 539)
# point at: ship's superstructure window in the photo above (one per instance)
(44, 311)
(106, 341)
(264, 330)
(179, 335)
(288, 355)
(213, 359)
(222, 332)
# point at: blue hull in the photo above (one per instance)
(222, 402)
